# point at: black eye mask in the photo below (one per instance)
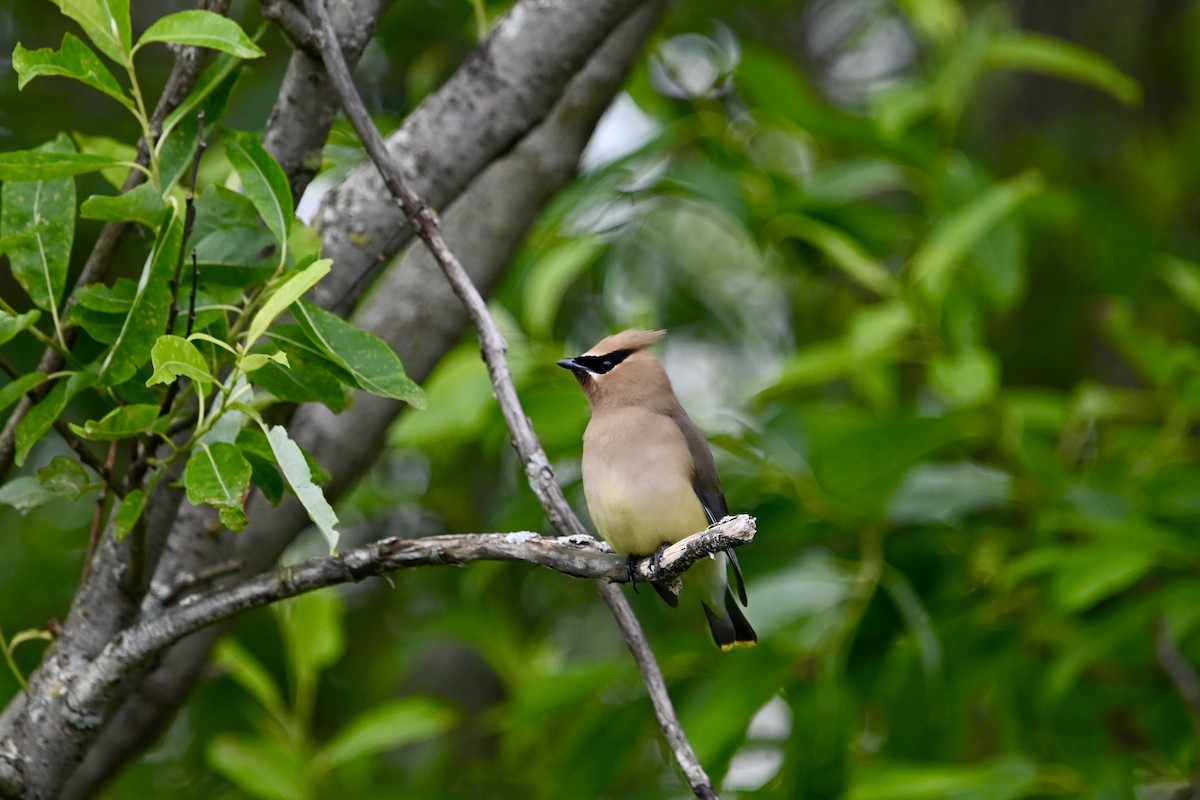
(602, 364)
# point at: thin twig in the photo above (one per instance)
(578, 556)
(98, 516)
(537, 465)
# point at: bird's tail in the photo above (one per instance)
(730, 629)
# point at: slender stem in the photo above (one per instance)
(12, 664)
(537, 465)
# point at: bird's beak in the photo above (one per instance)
(569, 363)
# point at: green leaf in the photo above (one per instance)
(201, 28)
(932, 266)
(128, 514)
(966, 378)
(11, 393)
(147, 319)
(115, 299)
(35, 165)
(106, 22)
(173, 356)
(120, 423)
(116, 173)
(842, 251)
(1005, 778)
(218, 474)
(231, 245)
(12, 324)
(557, 269)
(66, 477)
(256, 361)
(37, 226)
(25, 494)
(945, 493)
(313, 633)
(249, 674)
(262, 768)
(215, 80)
(1088, 575)
(42, 415)
(308, 378)
(374, 365)
(141, 204)
(257, 451)
(1035, 52)
(263, 181)
(289, 292)
(859, 462)
(385, 728)
(73, 59)
(296, 471)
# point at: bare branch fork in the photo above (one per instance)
(537, 466)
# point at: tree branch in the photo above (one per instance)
(537, 466)
(577, 556)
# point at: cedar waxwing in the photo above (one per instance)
(648, 474)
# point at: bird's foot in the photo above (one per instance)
(656, 559)
(631, 572)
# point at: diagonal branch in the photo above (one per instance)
(537, 466)
(578, 556)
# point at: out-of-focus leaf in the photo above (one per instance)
(373, 364)
(1006, 778)
(312, 635)
(946, 493)
(966, 378)
(1039, 53)
(73, 59)
(37, 227)
(65, 477)
(249, 674)
(557, 268)
(201, 28)
(385, 728)
(1084, 577)
(1184, 279)
(263, 768)
(842, 250)
(860, 462)
(25, 493)
(932, 266)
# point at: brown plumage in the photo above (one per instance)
(648, 474)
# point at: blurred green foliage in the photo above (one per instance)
(938, 315)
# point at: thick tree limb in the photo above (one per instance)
(537, 466)
(505, 88)
(578, 556)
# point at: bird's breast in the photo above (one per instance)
(637, 477)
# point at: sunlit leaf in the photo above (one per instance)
(12, 324)
(282, 297)
(73, 59)
(295, 469)
(120, 423)
(263, 181)
(106, 22)
(141, 204)
(201, 28)
(174, 356)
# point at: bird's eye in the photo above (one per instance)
(607, 363)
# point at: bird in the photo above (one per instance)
(649, 477)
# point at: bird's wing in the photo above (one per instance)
(707, 484)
